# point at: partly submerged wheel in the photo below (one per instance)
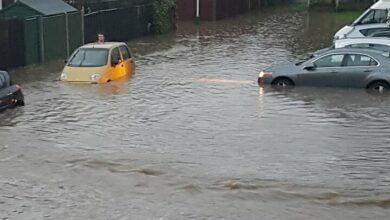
(378, 87)
(20, 103)
(282, 83)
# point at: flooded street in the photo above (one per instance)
(191, 136)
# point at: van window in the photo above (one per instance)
(381, 34)
(375, 16)
(369, 32)
(125, 52)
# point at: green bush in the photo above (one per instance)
(163, 16)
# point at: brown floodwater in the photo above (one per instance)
(191, 136)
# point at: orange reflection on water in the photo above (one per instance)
(115, 87)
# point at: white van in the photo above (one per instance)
(373, 20)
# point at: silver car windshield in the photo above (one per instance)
(89, 57)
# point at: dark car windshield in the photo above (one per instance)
(4, 80)
(89, 57)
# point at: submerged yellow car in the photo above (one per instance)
(99, 63)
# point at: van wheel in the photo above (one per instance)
(378, 87)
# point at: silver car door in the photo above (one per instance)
(357, 67)
(323, 73)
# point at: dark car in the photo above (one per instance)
(346, 67)
(10, 95)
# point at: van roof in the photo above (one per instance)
(381, 4)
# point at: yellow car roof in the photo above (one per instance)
(106, 45)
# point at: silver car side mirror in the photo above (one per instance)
(309, 67)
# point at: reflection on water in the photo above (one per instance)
(191, 128)
(117, 87)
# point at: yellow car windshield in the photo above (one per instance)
(89, 57)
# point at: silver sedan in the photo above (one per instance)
(352, 68)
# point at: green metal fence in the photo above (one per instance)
(47, 38)
(119, 24)
(59, 35)
(75, 31)
(52, 37)
(98, 5)
(32, 41)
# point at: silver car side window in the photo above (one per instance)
(360, 60)
(334, 60)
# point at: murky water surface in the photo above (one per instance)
(191, 136)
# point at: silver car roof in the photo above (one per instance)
(356, 50)
(363, 40)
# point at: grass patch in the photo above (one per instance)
(298, 7)
(347, 16)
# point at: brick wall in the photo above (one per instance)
(218, 9)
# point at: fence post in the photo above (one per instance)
(67, 33)
(214, 10)
(41, 39)
(197, 12)
(82, 27)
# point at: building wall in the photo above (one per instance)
(219, 9)
(207, 9)
(185, 9)
(340, 4)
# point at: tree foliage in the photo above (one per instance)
(163, 16)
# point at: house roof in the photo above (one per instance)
(48, 7)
